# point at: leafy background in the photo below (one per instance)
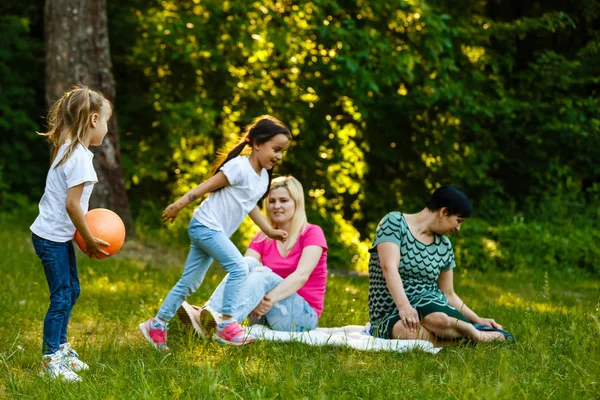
(387, 100)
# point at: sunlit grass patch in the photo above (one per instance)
(554, 316)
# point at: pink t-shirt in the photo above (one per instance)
(313, 290)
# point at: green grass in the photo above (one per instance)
(555, 318)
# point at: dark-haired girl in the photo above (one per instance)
(411, 291)
(236, 187)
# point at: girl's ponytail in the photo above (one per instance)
(68, 119)
(56, 134)
(233, 153)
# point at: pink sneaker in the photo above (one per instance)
(156, 336)
(232, 334)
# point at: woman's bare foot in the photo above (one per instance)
(486, 336)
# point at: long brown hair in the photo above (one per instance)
(261, 130)
(68, 119)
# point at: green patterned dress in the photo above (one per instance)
(419, 268)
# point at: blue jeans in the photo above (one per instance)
(60, 268)
(207, 244)
(290, 314)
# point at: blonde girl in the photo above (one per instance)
(79, 119)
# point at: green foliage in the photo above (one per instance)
(386, 100)
(520, 245)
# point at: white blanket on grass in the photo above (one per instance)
(353, 336)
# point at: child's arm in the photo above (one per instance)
(92, 244)
(217, 181)
(264, 226)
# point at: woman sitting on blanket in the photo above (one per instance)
(411, 292)
(288, 292)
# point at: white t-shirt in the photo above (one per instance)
(225, 209)
(53, 222)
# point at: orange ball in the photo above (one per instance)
(106, 225)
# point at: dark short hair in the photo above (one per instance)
(453, 199)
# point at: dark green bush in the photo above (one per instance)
(520, 245)
(22, 99)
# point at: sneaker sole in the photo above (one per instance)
(219, 339)
(148, 338)
(201, 320)
(46, 375)
(187, 315)
(208, 324)
(76, 368)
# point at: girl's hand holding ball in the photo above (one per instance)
(94, 248)
(107, 234)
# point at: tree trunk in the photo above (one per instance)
(78, 52)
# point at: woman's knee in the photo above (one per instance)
(252, 263)
(256, 276)
(399, 331)
(263, 277)
(436, 320)
(240, 272)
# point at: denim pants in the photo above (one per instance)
(207, 244)
(290, 314)
(60, 268)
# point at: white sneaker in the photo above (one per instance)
(72, 358)
(54, 366)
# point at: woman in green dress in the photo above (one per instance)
(411, 291)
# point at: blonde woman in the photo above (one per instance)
(286, 285)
